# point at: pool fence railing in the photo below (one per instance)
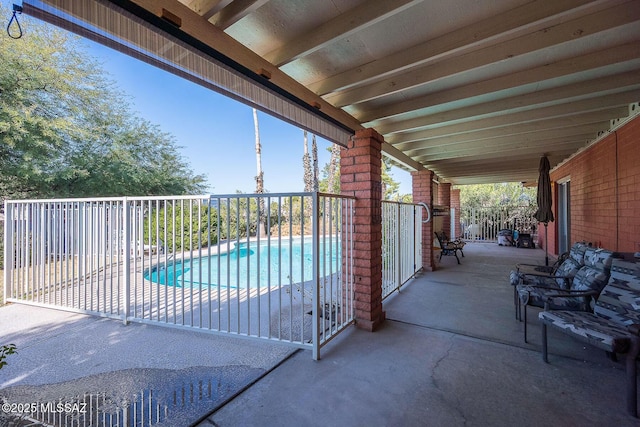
(268, 266)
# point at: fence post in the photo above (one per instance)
(8, 253)
(316, 310)
(417, 242)
(398, 257)
(126, 237)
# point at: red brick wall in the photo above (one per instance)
(360, 176)
(628, 141)
(422, 193)
(605, 189)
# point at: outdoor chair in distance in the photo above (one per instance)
(457, 241)
(447, 247)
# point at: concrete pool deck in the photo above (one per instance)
(62, 355)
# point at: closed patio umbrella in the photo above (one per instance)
(544, 213)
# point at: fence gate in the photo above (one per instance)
(478, 224)
(401, 244)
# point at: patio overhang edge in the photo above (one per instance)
(259, 92)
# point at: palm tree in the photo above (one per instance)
(314, 152)
(260, 174)
(333, 166)
(306, 164)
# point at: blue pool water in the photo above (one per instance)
(247, 266)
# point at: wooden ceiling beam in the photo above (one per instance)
(207, 8)
(454, 42)
(504, 51)
(430, 136)
(591, 110)
(610, 56)
(593, 88)
(538, 148)
(235, 11)
(486, 159)
(343, 25)
(439, 145)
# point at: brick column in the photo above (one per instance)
(360, 176)
(421, 189)
(455, 203)
(444, 197)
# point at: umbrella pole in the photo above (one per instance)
(546, 245)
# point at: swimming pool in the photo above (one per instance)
(249, 265)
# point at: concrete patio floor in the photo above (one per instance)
(450, 353)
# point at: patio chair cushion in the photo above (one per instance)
(619, 301)
(555, 298)
(568, 269)
(600, 259)
(542, 276)
(537, 296)
(577, 252)
(588, 278)
(515, 277)
(594, 329)
(617, 307)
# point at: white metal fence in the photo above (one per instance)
(486, 222)
(401, 244)
(275, 266)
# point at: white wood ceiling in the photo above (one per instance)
(476, 90)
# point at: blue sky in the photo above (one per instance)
(215, 133)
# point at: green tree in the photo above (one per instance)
(511, 201)
(65, 130)
(333, 171)
(330, 182)
(182, 227)
(306, 164)
(501, 194)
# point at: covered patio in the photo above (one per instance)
(449, 353)
(479, 96)
(476, 96)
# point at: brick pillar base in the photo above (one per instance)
(360, 176)
(422, 193)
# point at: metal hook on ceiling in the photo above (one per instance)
(16, 10)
